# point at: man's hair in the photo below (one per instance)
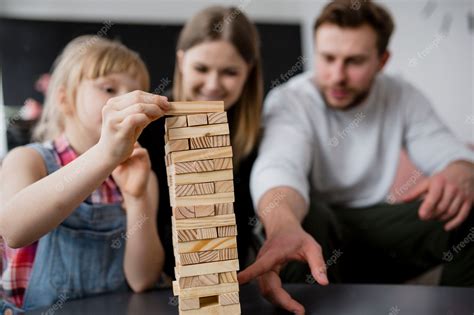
(355, 13)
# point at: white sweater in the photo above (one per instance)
(348, 157)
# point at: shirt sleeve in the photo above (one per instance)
(285, 151)
(429, 142)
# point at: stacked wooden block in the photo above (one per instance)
(200, 179)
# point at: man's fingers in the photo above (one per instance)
(435, 192)
(315, 259)
(262, 265)
(460, 217)
(449, 193)
(271, 288)
(417, 192)
(453, 208)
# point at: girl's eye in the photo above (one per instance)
(109, 90)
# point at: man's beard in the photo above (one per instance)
(360, 96)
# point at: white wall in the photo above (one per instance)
(441, 66)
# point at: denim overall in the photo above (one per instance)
(83, 256)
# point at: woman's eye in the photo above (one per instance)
(231, 72)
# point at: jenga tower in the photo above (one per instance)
(200, 180)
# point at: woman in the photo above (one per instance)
(217, 58)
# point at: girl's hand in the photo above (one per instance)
(132, 176)
(124, 118)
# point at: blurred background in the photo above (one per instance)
(433, 47)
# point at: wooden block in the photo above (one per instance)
(217, 118)
(207, 268)
(225, 221)
(204, 177)
(205, 290)
(228, 277)
(215, 309)
(201, 142)
(208, 256)
(203, 199)
(201, 154)
(224, 231)
(180, 108)
(204, 189)
(189, 258)
(175, 122)
(224, 186)
(209, 142)
(224, 208)
(176, 145)
(227, 253)
(220, 141)
(188, 235)
(204, 166)
(205, 245)
(223, 164)
(210, 279)
(197, 120)
(184, 190)
(204, 211)
(198, 131)
(229, 298)
(189, 282)
(168, 160)
(183, 212)
(207, 233)
(190, 304)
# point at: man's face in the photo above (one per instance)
(346, 61)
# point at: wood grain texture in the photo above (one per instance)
(184, 108)
(201, 154)
(198, 131)
(217, 118)
(197, 120)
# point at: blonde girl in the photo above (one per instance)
(79, 207)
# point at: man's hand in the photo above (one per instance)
(285, 246)
(449, 194)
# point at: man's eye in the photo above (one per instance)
(200, 69)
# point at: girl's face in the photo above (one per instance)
(213, 71)
(91, 96)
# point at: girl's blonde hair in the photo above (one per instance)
(230, 24)
(85, 57)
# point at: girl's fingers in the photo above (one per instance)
(151, 110)
(123, 101)
(453, 208)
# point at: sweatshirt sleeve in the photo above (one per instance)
(285, 153)
(429, 142)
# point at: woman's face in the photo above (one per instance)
(213, 71)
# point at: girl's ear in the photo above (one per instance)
(63, 102)
(179, 58)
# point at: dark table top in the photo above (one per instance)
(333, 299)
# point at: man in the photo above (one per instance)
(334, 137)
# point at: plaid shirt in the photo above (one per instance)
(18, 263)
